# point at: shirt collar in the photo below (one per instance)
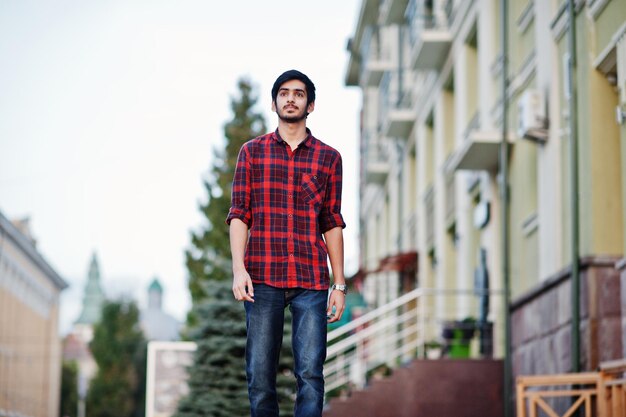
(308, 141)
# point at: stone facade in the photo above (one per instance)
(541, 320)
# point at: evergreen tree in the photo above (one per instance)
(209, 258)
(69, 389)
(119, 349)
(217, 380)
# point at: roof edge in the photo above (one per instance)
(9, 230)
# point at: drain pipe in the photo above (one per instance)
(504, 198)
(573, 130)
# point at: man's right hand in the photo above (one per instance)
(242, 286)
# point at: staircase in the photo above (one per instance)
(394, 337)
(429, 388)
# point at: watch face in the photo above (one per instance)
(341, 287)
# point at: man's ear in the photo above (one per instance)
(310, 107)
(273, 106)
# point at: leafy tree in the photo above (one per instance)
(119, 349)
(217, 380)
(69, 389)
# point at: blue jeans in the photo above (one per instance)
(264, 319)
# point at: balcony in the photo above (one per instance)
(401, 118)
(376, 160)
(430, 35)
(396, 107)
(375, 59)
(392, 11)
(480, 150)
(377, 171)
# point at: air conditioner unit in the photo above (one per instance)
(531, 116)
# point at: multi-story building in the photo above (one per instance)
(155, 322)
(30, 345)
(467, 101)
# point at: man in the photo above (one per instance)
(286, 195)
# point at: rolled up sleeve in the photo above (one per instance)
(240, 196)
(330, 215)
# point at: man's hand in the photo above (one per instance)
(338, 300)
(242, 286)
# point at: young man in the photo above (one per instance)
(285, 223)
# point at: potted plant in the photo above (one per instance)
(458, 335)
(433, 349)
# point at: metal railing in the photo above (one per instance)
(422, 15)
(372, 48)
(390, 335)
(376, 148)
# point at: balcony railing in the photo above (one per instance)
(411, 231)
(392, 11)
(428, 32)
(376, 157)
(396, 109)
(392, 334)
(375, 58)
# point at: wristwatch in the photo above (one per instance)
(341, 287)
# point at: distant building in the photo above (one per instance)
(30, 347)
(93, 300)
(168, 358)
(157, 324)
(166, 379)
(76, 343)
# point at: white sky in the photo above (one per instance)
(109, 111)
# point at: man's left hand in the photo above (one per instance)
(338, 300)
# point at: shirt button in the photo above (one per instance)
(291, 255)
(290, 177)
(290, 196)
(290, 215)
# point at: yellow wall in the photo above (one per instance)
(30, 346)
(600, 179)
(609, 21)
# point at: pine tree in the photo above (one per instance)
(217, 380)
(209, 257)
(119, 348)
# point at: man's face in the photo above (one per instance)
(290, 104)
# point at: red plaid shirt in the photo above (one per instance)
(288, 199)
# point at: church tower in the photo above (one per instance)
(93, 299)
(156, 323)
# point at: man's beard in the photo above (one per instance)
(292, 119)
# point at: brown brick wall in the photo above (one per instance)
(622, 268)
(541, 321)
